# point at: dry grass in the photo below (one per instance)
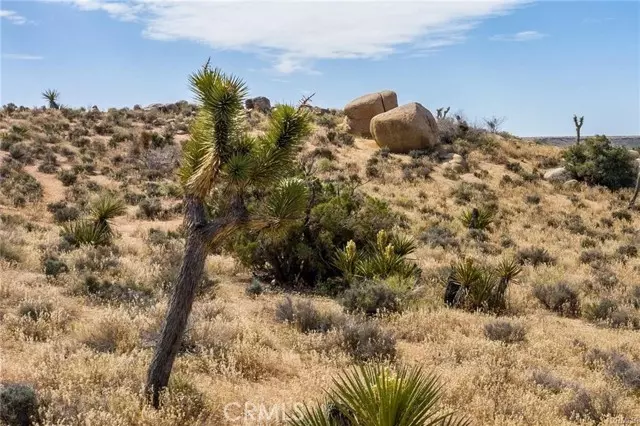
(86, 355)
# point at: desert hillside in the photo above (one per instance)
(78, 322)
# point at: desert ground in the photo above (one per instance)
(78, 323)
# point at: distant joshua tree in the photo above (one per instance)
(442, 112)
(578, 123)
(247, 178)
(494, 123)
(51, 96)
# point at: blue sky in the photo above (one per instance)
(535, 63)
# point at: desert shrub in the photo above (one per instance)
(18, 404)
(150, 208)
(10, 252)
(20, 152)
(35, 309)
(625, 370)
(340, 137)
(438, 236)
(634, 296)
(54, 267)
(587, 406)
(549, 381)
(67, 177)
(367, 341)
(372, 297)
(112, 333)
(63, 213)
(254, 288)
(559, 298)
(532, 199)
(597, 162)
(106, 290)
(19, 186)
(608, 311)
(302, 254)
(358, 396)
(535, 256)
(627, 250)
(304, 316)
(505, 331)
(480, 287)
(591, 256)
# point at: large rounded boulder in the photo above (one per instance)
(260, 103)
(361, 110)
(406, 128)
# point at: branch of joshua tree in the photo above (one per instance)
(306, 100)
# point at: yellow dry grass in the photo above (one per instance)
(88, 358)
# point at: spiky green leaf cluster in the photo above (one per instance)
(97, 228)
(387, 258)
(481, 222)
(51, 96)
(484, 287)
(377, 396)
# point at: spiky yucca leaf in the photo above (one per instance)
(276, 150)
(403, 245)
(508, 269)
(376, 396)
(287, 202)
(107, 207)
(484, 219)
(466, 272)
(83, 232)
(51, 96)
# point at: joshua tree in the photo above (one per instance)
(231, 180)
(578, 123)
(494, 123)
(635, 193)
(52, 97)
(442, 112)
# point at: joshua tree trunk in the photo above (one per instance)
(181, 302)
(200, 233)
(635, 193)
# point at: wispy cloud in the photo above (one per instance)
(292, 34)
(521, 36)
(21, 57)
(12, 17)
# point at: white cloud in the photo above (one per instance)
(521, 36)
(292, 34)
(12, 17)
(21, 57)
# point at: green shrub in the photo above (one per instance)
(477, 218)
(608, 311)
(67, 177)
(9, 252)
(302, 254)
(54, 267)
(373, 297)
(254, 288)
(535, 256)
(18, 404)
(597, 162)
(19, 186)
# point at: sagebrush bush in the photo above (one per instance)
(597, 162)
(371, 297)
(304, 316)
(560, 298)
(589, 406)
(535, 256)
(505, 331)
(367, 341)
(439, 236)
(609, 312)
(18, 404)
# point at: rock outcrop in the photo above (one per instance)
(406, 128)
(361, 110)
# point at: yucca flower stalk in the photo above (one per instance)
(223, 164)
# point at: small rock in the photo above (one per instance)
(634, 154)
(457, 158)
(559, 174)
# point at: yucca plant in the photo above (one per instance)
(52, 97)
(376, 396)
(481, 287)
(231, 180)
(477, 218)
(96, 229)
(387, 258)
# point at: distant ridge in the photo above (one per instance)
(630, 141)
